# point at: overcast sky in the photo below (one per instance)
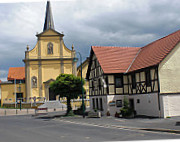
(85, 23)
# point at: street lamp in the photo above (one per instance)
(21, 97)
(15, 93)
(81, 84)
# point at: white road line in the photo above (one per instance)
(116, 127)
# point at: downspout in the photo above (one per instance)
(158, 92)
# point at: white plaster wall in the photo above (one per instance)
(171, 105)
(148, 105)
(169, 72)
(104, 100)
(114, 109)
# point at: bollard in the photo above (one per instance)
(27, 111)
(5, 112)
(16, 111)
(47, 110)
(62, 107)
(54, 109)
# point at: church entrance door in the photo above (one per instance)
(51, 95)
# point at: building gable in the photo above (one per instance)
(49, 32)
(169, 72)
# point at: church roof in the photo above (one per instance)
(48, 23)
(16, 73)
(48, 81)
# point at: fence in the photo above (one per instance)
(11, 112)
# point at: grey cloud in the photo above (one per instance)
(86, 23)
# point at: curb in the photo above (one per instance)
(162, 130)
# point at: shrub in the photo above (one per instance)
(95, 110)
(108, 113)
(116, 114)
(79, 111)
(70, 113)
(126, 111)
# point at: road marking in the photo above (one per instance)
(116, 127)
(87, 137)
(120, 120)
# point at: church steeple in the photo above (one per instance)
(48, 23)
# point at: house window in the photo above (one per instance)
(133, 81)
(106, 84)
(101, 104)
(34, 82)
(93, 102)
(138, 101)
(95, 65)
(119, 81)
(119, 103)
(99, 82)
(50, 48)
(97, 104)
(92, 85)
(97, 71)
(148, 78)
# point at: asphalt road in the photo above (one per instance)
(27, 129)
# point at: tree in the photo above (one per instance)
(69, 86)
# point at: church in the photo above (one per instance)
(49, 58)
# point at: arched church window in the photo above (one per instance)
(34, 82)
(50, 48)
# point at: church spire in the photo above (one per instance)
(48, 23)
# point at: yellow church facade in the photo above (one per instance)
(49, 58)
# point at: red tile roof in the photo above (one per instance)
(128, 59)
(0, 81)
(115, 59)
(153, 53)
(16, 73)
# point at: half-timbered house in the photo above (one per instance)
(148, 76)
